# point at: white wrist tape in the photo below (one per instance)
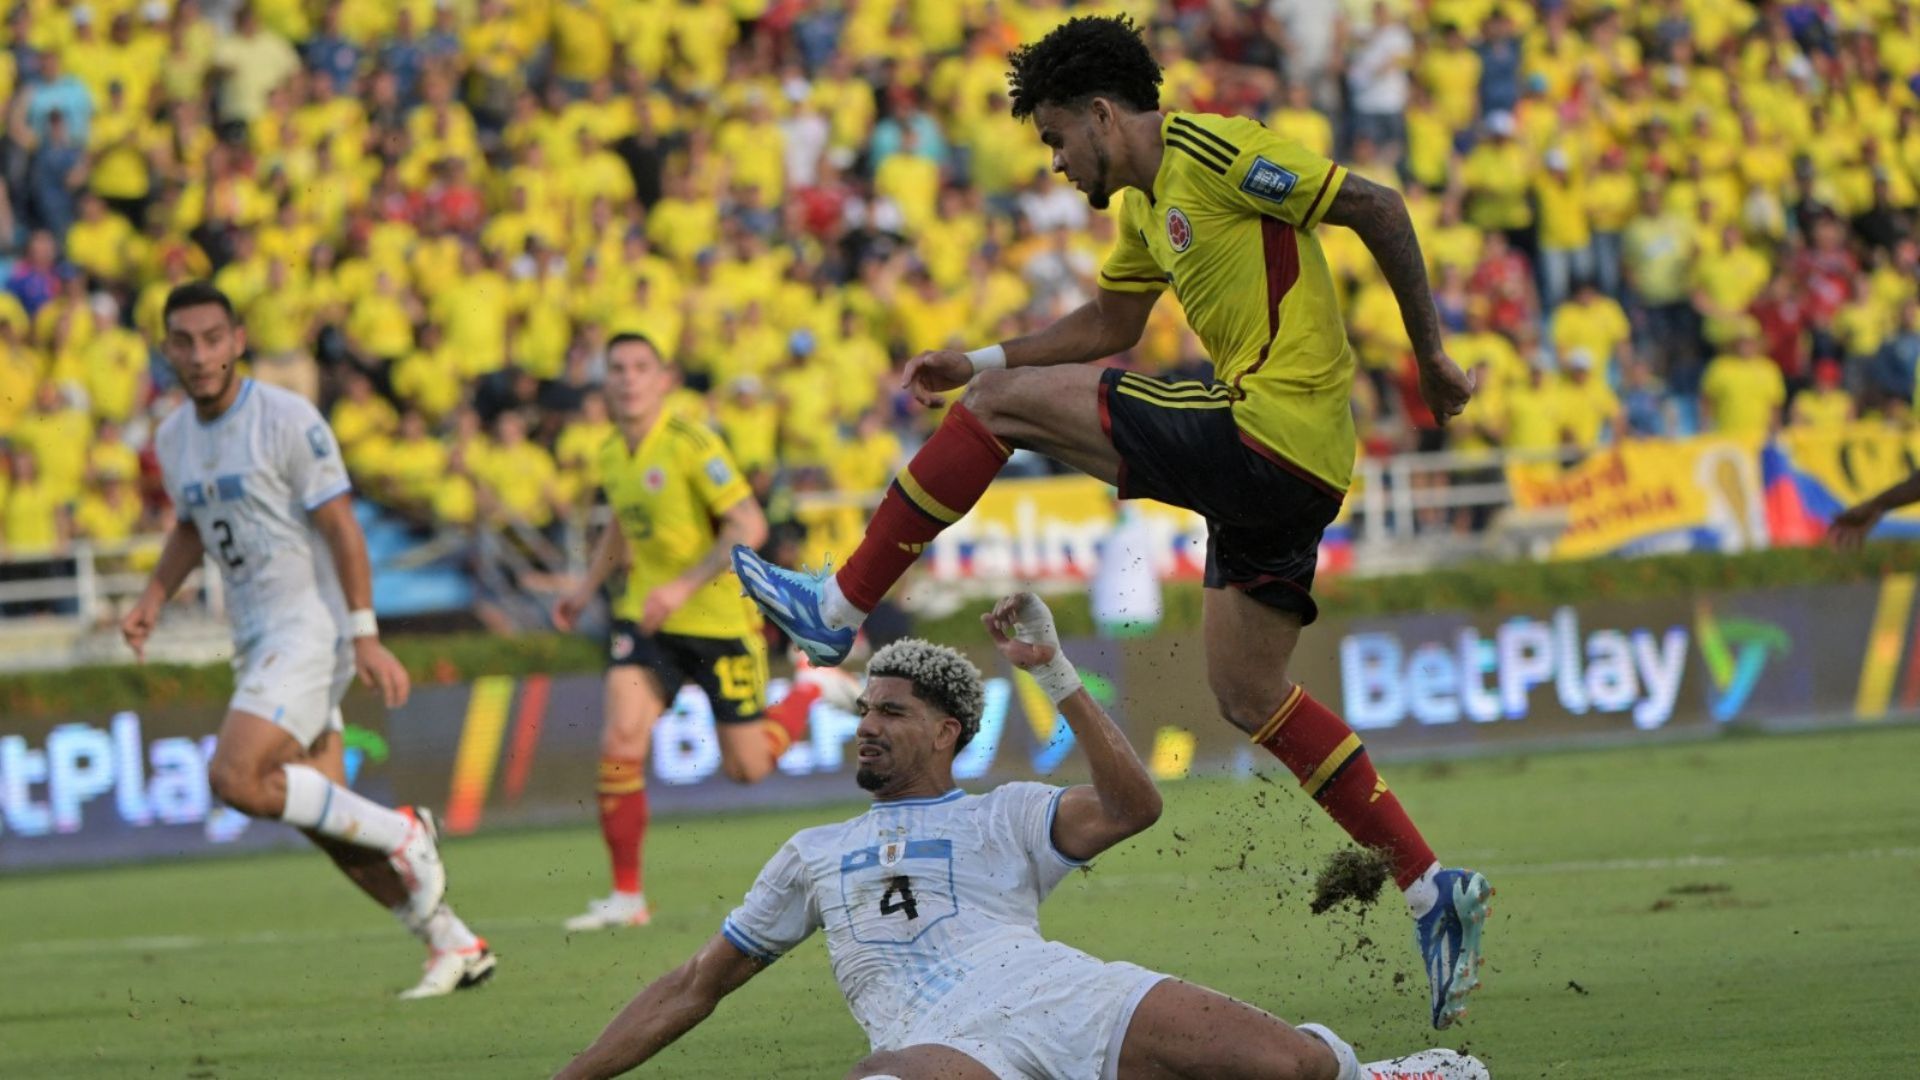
(988, 359)
(1057, 677)
(361, 623)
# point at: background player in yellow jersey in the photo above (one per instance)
(1224, 212)
(679, 503)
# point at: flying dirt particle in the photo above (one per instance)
(1177, 836)
(1664, 904)
(1351, 874)
(1577, 988)
(1399, 977)
(1699, 889)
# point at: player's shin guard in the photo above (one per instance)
(623, 818)
(1323, 752)
(936, 489)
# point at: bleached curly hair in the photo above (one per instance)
(941, 677)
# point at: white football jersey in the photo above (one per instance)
(248, 481)
(919, 898)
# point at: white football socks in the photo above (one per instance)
(442, 932)
(317, 803)
(835, 609)
(1349, 1061)
(1423, 894)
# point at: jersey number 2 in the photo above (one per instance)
(229, 552)
(901, 888)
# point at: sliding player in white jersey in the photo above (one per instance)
(256, 478)
(930, 901)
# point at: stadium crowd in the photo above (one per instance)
(1642, 219)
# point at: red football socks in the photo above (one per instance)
(623, 818)
(1323, 752)
(936, 489)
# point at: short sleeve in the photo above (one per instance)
(311, 457)
(1130, 266)
(1264, 172)
(1026, 812)
(778, 912)
(715, 477)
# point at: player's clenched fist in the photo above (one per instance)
(1023, 631)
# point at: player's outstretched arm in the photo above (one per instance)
(1850, 529)
(1122, 801)
(1110, 323)
(668, 1008)
(376, 666)
(1380, 216)
(181, 553)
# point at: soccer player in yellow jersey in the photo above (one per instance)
(679, 503)
(1224, 212)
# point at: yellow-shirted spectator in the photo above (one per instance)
(101, 243)
(1594, 322)
(1482, 348)
(473, 314)
(65, 324)
(1589, 409)
(379, 325)
(20, 372)
(34, 522)
(1450, 71)
(359, 418)
(869, 460)
(1381, 342)
(110, 456)
(110, 513)
(253, 60)
(925, 317)
(1300, 121)
(682, 224)
(808, 422)
(912, 182)
(703, 33)
(59, 436)
(582, 40)
(1498, 175)
(519, 474)
(1742, 390)
(1825, 405)
(749, 421)
(1534, 419)
(429, 377)
(415, 463)
(755, 347)
(1728, 283)
(114, 366)
(577, 450)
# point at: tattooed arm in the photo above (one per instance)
(1379, 215)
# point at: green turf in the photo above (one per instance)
(1722, 909)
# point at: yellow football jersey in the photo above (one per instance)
(667, 494)
(1229, 225)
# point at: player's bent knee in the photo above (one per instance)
(745, 772)
(241, 786)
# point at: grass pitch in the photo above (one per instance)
(1735, 908)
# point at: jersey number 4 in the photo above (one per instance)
(229, 551)
(902, 888)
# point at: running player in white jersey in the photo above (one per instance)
(930, 901)
(256, 478)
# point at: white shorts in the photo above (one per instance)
(1062, 1016)
(296, 681)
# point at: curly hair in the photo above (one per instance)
(941, 677)
(1087, 56)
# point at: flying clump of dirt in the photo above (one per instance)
(1356, 874)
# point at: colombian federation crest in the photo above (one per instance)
(656, 478)
(1179, 229)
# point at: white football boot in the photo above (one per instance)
(1436, 1064)
(454, 970)
(608, 913)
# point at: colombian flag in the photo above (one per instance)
(1799, 507)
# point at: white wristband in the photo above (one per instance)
(988, 359)
(361, 623)
(1057, 677)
